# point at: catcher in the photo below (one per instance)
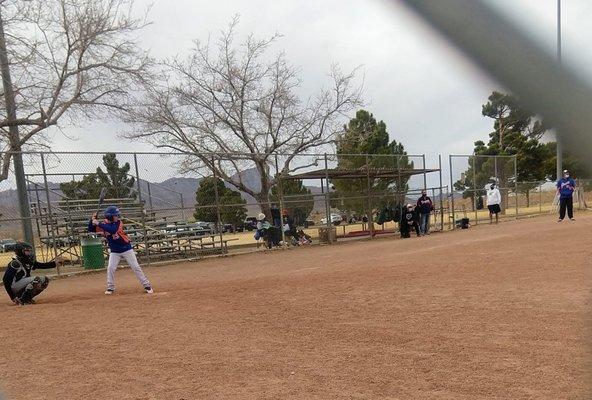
(18, 282)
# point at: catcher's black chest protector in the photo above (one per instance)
(23, 270)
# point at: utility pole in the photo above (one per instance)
(14, 140)
(557, 135)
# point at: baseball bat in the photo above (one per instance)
(101, 199)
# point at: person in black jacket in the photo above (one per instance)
(18, 282)
(289, 228)
(424, 208)
(409, 220)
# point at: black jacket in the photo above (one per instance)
(410, 217)
(424, 205)
(18, 269)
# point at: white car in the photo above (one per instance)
(335, 219)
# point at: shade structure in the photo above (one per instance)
(357, 173)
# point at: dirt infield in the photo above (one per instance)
(494, 312)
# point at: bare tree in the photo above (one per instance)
(240, 104)
(69, 60)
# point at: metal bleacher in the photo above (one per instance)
(63, 222)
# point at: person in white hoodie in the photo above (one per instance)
(494, 199)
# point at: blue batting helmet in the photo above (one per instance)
(112, 211)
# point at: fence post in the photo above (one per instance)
(516, 183)
(149, 195)
(452, 193)
(495, 170)
(217, 198)
(540, 198)
(475, 189)
(425, 179)
(182, 208)
(280, 198)
(441, 193)
(142, 211)
(327, 203)
(435, 213)
(53, 236)
(399, 191)
(38, 210)
(368, 187)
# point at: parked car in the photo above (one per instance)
(229, 228)
(62, 241)
(250, 223)
(206, 226)
(7, 245)
(335, 219)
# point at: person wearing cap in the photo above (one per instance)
(565, 189)
(18, 282)
(262, 226)
(494, 199)
(409, 220)
(120, 246)
(265, 231)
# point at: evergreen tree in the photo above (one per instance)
(232, 205)
(516, 132)
(364, 135)
(297, 200)
(116, 180)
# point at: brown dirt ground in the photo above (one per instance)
(494, 312)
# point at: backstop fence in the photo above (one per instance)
(186, 206)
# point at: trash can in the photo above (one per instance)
(92, 253)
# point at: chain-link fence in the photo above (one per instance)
(186, 206)
(472, 175)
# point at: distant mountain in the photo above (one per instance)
(168, 193)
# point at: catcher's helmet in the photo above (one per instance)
(261, 217)
(112, 211)
(24, 252)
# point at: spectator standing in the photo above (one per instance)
(565, 188)
(425, 206)
(494, 199)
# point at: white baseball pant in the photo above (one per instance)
(132, 261)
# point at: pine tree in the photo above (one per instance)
(116, 180)
(232, 205)
(517, 132)
(364, 135)
(297, 200)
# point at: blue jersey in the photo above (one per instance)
(118, 241)
(566, 187)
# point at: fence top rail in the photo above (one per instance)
(214, 155)
(480, 155)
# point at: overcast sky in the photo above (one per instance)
(428, 95)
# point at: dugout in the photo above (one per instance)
(376, 184)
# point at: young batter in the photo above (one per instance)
(120, 247)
